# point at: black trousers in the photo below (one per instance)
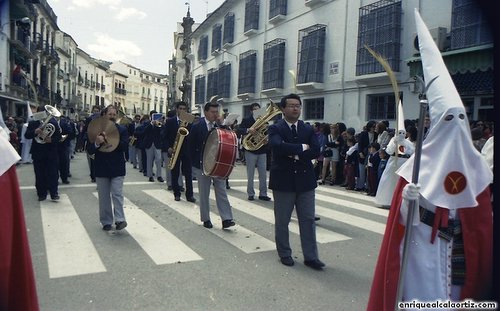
(63, 155)
(46, 176)
(184, 162)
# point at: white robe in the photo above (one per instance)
(25, 152)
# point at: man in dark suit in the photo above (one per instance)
(45, 159)
(63, 148)
(96, 112)
(132, 149)
(110, 174)
(184, 157)
(294, 145)
(198, 134)
(152, 144)
(255, 158)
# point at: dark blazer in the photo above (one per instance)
(364, 142)
(111, 164)
(288, 174)
(245, 124)
(197, 136)
(171, 128)
(151, 136)
(47, 150)
(139, 133)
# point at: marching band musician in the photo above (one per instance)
(198, 134)
(294, 145)
(184, 158)
(96, 112)
(132, 149)
(45, 159)
(257, 158)
(110, 174)
(63, 148)
(141, 150)
(152, 144)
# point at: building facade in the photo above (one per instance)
(254, 51)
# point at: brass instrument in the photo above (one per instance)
(48, 129)
(182, 132)
(255, 141)
(157, 119)
(123, 118)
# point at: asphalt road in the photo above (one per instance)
(166, 260)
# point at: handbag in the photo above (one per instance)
(327, 153)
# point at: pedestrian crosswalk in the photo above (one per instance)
(70, 250)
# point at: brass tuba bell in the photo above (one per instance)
(255, 141)
(48, 129)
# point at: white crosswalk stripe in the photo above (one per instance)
(69, 248)
(71, 252)
(238, 236)
(161, 246)
(267, 215)
(346, 218)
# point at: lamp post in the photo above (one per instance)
(185, 88)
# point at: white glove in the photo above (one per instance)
(411, 192)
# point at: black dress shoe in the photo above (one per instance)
(151, 179)
(316, 218)
(208, 224)
(191, 199)
(177, 198)
(182, 189)
(227, 223)
(120, 225)
(42, 198)
(65, 182)
(55, 197)
(169, 188)
(93, 179)
(250, 198)
(316, 264)
(287, 261)
(106, 227)
(264, 198)
(160, 179)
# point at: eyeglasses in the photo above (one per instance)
(294, 106)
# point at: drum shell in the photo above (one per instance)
(227, 149)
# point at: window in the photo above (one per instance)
(203, 49)
(469, 26)
(380, 29)
(277, 7)
(247, 71)
(274, 64)
(311, 54)
(251, 15)
(228, 28)
(212, 83)
(382, 106)
(216, 38)
(314, 108)
(224, 79)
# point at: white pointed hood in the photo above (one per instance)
(30, 113)
(452, 172)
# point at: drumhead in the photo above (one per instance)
(210, 152)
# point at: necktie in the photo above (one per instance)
(294, 131)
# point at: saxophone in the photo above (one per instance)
(255, 141)
(182, 132)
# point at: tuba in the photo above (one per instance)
(255, 141)
(48, 129)
(182, 132)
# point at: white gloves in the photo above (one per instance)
(411, 192)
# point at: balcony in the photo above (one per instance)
(310, 86)
(245, 96)
(277, 18)
(272, 91)
(310, 3)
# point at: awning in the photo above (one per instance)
(9, 97)
(473, 59)
(470, 83)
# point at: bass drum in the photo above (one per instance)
(219, 153)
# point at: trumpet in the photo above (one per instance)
(48, 129)
(157, 119)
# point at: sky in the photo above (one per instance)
(137, 32)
